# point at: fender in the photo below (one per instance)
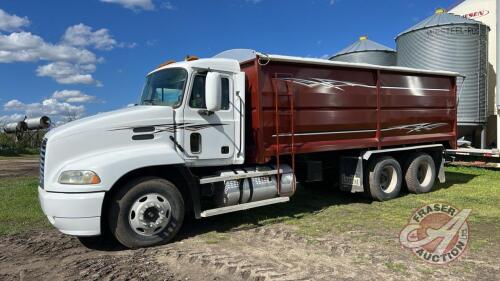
(111, 165)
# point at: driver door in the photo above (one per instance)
(209, 135)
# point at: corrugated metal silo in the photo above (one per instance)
(449, 42)
(366, 51)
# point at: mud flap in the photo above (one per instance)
(441, 175)
(351, 174)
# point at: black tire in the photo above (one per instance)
(132, 193)
(384, 178)
(420, 173)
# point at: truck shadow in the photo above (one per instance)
(453, 178)
(307, 200)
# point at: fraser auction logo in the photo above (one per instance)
(437, 233)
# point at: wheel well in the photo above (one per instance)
(174, 174)
(402, 156)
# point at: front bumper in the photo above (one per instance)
(77, 214)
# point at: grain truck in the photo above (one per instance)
(239, 131)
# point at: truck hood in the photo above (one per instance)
(129, 136)
(110, 144)
(130, 117)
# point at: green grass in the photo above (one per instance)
(317, 211)
(396, 267)
(214, 237)
(19, 156)
(313, 212)
(19, 152)
(19, 207)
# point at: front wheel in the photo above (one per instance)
(146, 212)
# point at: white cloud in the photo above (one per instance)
(68, 62)
(73, 96)
(6, 119)
(127, 45)
(27, 47)
(151, 43)
(82, 35)
(12, 22)
(167, 5)
(67, 73)
(51, 107)
(14, 105)
(147, 5)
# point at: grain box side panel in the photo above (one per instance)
(417, 109)
(335, 107)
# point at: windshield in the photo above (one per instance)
(164, 87)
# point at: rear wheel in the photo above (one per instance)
(384, 178)
(146, 212)
(421, 173)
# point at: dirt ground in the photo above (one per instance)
(243, 251)
(261, 253)
(19, 167)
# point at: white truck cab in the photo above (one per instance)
(190, 114)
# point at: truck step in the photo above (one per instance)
(240, 207)
(252, 174)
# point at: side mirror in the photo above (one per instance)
(213, 91)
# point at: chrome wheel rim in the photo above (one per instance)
(150, 214)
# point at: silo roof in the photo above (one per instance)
(363, 45)
(440, 18)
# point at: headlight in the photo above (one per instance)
(79, 177)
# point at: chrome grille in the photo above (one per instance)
(43, 148)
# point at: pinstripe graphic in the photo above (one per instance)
(329, 83)
(419, 127)
(169, 127)
(337, 84)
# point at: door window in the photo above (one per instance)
(197, 99)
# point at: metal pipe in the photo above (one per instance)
(483, 136)
(15, 127)
(38, 123)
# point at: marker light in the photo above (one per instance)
(79, 177)
(166, 63)
(190, 58)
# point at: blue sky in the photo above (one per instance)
(74, 58)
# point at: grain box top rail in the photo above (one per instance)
(354, 65)
(243, 55)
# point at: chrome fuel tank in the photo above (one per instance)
(240, 191)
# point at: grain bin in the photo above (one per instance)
(366, 51)
(446, 41)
